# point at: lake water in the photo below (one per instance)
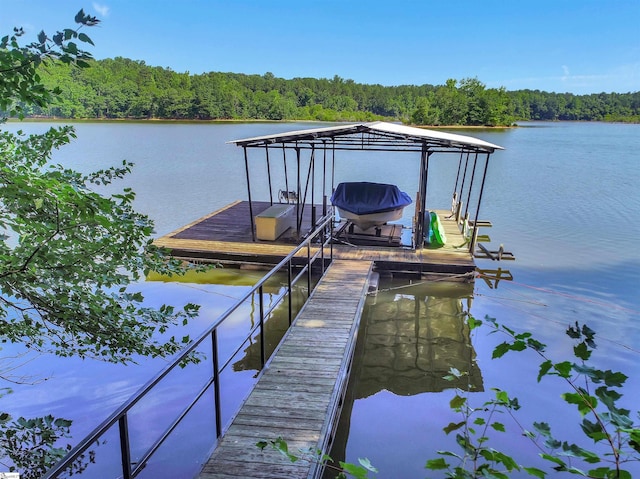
(563, 197)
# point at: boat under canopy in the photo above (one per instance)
(316, 148)
(369, 204)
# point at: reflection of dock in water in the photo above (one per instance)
(410, 337)
(275, 327)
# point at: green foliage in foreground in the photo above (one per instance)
(30, 444)
(342, 470)
(612, 436)
(68, 252)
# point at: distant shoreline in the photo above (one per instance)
(518, 124)
(185, 121)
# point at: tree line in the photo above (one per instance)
(127, 89)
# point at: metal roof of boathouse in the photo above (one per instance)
(373, 135)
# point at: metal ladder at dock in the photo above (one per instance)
(299, 394)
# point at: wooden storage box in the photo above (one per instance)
(274, 221)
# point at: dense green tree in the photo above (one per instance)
(123, 88)
(426, 113)
(451, 104)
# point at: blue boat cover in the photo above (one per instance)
(363, 198)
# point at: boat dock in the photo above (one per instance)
(301, 389)
(226, 236)
(289, 222)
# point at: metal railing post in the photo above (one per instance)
(262, 348)
(125, 450)
(289, 286)
(216, 382)
(308, 269)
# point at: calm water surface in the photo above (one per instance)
(562, 196)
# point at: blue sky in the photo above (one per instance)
(577, 46)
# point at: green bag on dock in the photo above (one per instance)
(434, 234)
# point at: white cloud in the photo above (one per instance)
(102, 10)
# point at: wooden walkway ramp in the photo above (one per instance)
(300, 392)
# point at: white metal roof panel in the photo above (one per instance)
(408, 133)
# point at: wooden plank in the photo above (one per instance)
(299, 393)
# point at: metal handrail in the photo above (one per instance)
(324, 231)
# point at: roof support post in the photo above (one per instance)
(455, 197)
(324, 178)
(286, 176)
(251, 220)
(266, 147)
(333, 164)
(298, 191)
(459, 168)
(464, 177)
(473, 175)
(472, 245)
(313, 186)
(418, 239)
(310, 178)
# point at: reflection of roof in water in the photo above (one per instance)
(409, 341)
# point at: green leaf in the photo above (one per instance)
(585, 402)
(61, 422)
(574, 332)
(500, 350)
(589, 372)
(620, 419)
(554, 459)
(453, 426)
(366, 463)
(488, 455)
(473, 322)
(532, 471)
(608, 397)
(545, 367)
(582, 351)
(599, 473)
(594, 430)
(353, 469)
(614, 379)
(536, 345)
(457, 402)
(498, 426)
(608, 473)
(84, 38)
(507, 461)
(563, 369)
(634, 439)
(437, 464)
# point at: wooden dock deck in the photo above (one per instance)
(301, 389)
(225, 236)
